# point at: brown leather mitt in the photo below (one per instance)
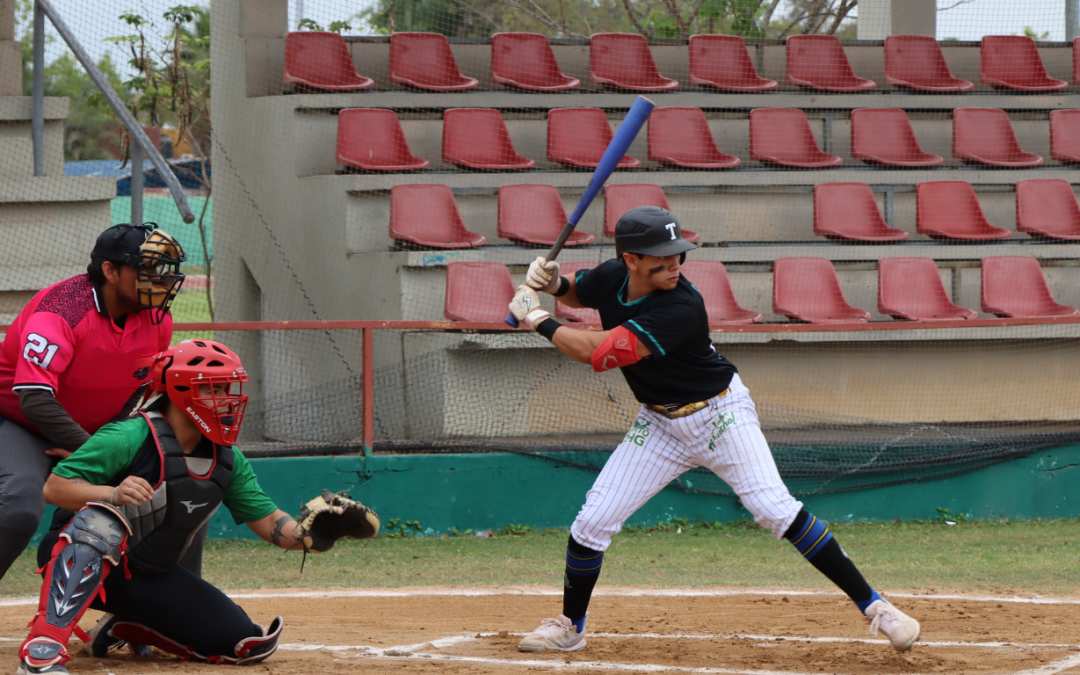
(329, 517)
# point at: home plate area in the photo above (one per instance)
(630, 630)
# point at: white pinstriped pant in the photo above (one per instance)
(725, 437)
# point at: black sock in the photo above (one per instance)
(812, 538)
(582, 571)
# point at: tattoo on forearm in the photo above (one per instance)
(79, 481)
(279, 526)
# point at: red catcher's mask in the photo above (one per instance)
(179, 372)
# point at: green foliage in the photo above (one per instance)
(453, 18)
(454, 532)
(1031, 33)
(946, 517)
(334, 27)
(516, 529)
(396, 529)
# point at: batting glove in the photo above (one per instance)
(543, 276)
(526, 307)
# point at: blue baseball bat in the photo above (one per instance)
(624, 136)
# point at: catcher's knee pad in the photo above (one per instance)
(248, 651)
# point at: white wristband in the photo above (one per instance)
(112, 497)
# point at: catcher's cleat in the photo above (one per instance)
(101, 640)
(42, 656)
(900, 628)
(556, 634)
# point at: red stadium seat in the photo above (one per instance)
(819, 62)
(427, 215)
(885, 136)
(806, 289)
(525, 61)
(681, 137)
(849, 211)
(986, 136)
(1047, 208)
(1065, 136)
(620, 198)
(424, 61)
(532, 213)
(783, 136)
(711, 280)
(477, 291)
(1014, 286)
(722, 62)
(916, 62)
(372, 139)
(948, 209)
(585, 316)
(623, 60)
(911, 289)
(1013, 62)
(321, 60)
(579, 136)
(476, 138)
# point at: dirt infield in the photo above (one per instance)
(631, 630)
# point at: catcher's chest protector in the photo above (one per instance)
(188, 491)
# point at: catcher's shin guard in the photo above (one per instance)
(93, 542)
(248, 651)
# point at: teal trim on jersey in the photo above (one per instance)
(648, 335)
(619, 295)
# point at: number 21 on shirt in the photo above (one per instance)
(38, 350)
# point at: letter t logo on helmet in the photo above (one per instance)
(190, 373)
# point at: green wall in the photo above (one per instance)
(487, 491)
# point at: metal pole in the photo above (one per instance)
(367, 396)
(1072, 20)
(37, 118)
(133, 127)
(136, 185)
(889, 208)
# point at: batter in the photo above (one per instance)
(695, 412)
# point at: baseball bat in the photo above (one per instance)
(620, 143)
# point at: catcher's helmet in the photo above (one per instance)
(649, 230)
(178, 372)
(156, 257)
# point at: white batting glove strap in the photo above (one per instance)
(543, 276)
(536, 317)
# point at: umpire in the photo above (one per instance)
(76, 357)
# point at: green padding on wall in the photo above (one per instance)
(163, 211)
(488, 491)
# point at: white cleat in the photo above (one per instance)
(556, 634)
(900, 628)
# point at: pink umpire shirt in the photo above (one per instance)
(65, 342)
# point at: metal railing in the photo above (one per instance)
(140, 143)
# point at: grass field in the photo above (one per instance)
(998, 557)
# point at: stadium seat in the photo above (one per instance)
(585, 316)
(722, 62)
(579, 136)
(427, 215)
(525, 61)
(424, 61)
(623, 60)
(477, 291)
(916, 62)
(711, 280)
(1013, 62)
(911, 289)
(372, 139)
(532, 213)
(850, 211)
(806, 289)
(321, 60)
(885, 136)
(819, 62)
(1065, 136)
(782, 136)
(1014, 286)
(620, 198)
(986, 136)
(476, 138)
(681, 137)
(948, 209)
(1047, 208)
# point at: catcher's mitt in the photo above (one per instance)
(330, 517)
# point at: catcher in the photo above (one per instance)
(140, 490)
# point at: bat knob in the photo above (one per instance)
(511, 321)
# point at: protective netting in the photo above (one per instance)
(869, 185)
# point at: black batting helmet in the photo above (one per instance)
(649, 230)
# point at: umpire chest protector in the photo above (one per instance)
(187, 493)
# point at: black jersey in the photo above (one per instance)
(684, 367)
